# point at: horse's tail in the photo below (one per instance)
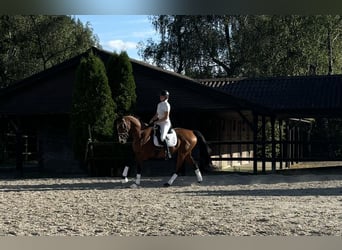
(204, 151)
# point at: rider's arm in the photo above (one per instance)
(154, 118)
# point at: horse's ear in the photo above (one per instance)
(117, 120)
(120, 118)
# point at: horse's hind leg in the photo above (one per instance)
(179, 165)
(138, 177)
(136, 183)
(192, 162)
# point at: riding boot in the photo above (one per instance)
(167, 151)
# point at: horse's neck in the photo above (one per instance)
(140, 136)
(135, 126)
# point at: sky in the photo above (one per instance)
(120, 32)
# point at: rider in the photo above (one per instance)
(162, 118)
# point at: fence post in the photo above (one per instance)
(287, 146)
(263, 149)
(273, 144)
(255, 141)
(281, 143)
(19, 150)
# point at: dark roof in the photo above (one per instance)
(186, 94)
(296, 96)
(50, 91)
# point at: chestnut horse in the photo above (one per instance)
(144, 148)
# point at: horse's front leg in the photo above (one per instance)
(125, 174)
(128, 162)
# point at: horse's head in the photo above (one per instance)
(123, 127)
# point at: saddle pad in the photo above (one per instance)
(171, 139)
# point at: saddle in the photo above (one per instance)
(171, 137)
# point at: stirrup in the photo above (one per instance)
(168, 155)
(167, 151)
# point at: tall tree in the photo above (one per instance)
(246, 45)
(93, 107)
(29, 44)
(285, 45)
(193, 45)
(121, 82)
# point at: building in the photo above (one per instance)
(247, 121)
(39, 108)
(294, 102)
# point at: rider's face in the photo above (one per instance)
(162, 98)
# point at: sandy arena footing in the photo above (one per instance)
(233, 204)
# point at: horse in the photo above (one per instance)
(144, 148)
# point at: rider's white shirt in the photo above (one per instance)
(163, 107)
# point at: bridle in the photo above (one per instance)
(123, 130)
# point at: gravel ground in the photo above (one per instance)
(231, 204)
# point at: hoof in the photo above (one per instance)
(135, 186)
(124, 180)
(167, 185)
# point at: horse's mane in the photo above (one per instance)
(134, 119)
(137, 120)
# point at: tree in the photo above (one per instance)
(93, 106)
(121, 82)
(30, 44)
(285, 45)
(197, 46)
(174, 50)
(246, 45)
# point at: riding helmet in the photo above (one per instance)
(164, 93)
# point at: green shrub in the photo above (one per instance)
(93, 106)
(121, 82)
